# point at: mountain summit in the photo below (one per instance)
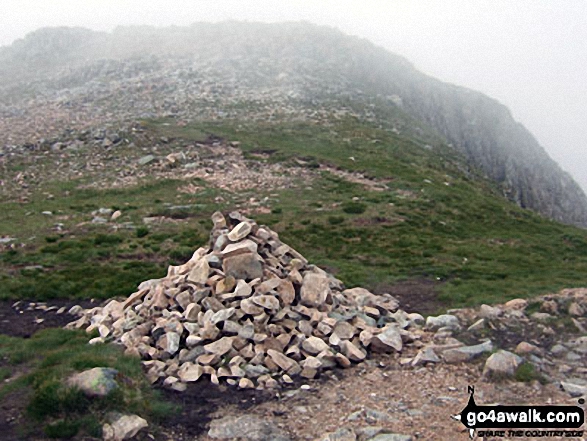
(76, 77)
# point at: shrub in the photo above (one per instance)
(335, 220)
(141, 232)
(354, 207)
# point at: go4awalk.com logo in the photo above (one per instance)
(521, 421)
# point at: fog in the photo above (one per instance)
(529, 54)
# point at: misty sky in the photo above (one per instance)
(529, 54)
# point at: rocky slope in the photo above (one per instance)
(75, 77)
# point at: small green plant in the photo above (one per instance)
(527, 373)
(141, 232)
(107, 239)
(63, 429)
(354, 207)
(335, 220)
(277, 210)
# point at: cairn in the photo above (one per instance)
(249, 310)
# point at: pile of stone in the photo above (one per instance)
(248, 310)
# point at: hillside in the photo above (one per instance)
(284, 69)
(256, 226)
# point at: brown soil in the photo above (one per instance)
(416, 295)
(21, 320)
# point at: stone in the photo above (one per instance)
(286, 291)
(424, 356)
(243, 266)
(145, 160)
(558, 350)
(489, 312)
(246, 427)
(245, 383)
(220, 347)
(501, 364)
(466, 353)
(222, 315)
(190, 372)
(281, 360)
(200, 272)
(442, 321)
(239, 232)
(576, 310)
(249, 307)
(416, 319)
(541, 316)
(225, 285)
(315, 289)
(266, 301)
(352, 352)
(95, 382)
(169, 342)
(525, 348)
(574, 389)
(344, 330)
(243, 289)
(342, 434)
(389, 339)
(121, 427)
(516, 304)
(192, 311)
(234, 249)
(342, 360)
(250, 310)
(314, 345)
(549, 307)
(374, 415)
(219, 220)
(477, 326)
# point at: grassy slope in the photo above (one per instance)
(38, 368)
(434, 222)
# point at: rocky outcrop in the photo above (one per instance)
(296, 70)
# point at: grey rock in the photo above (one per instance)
(368, 432)
(148, 159)
(389, 339)
(466, 353)
(239, 232)
(315, 289)
(121, 427)
(489, 312)
(541, 316)
(314, 345)
(502, 364)
(443, 321)
(246, 427)
(342, 434)
(96, 382)
(243, 266)
(558, 350)
(200, 272)
(574, 388)
(374, 415)
(424, 356)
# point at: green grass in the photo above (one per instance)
(437, 220)
(49, 357)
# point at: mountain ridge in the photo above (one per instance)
(297, 61)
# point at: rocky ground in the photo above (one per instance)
(273, 348)
(383, 394)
